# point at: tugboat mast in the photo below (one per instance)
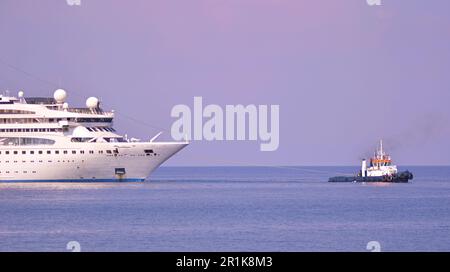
(381, 148)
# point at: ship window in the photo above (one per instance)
(21, 141)
(31, 152)
(40, 152)
(100, 120)
(16, 112)
(65, 151)
(100, 152)
(56, 151)
(49, 152)
(74, 152)
(24, 152)
(80, 140)
(108, 152)
(91, 151)
(15, 152)
(6, 152)
(82, 152)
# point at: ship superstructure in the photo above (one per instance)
(380, 164)
(43, 139)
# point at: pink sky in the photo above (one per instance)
(344, 74)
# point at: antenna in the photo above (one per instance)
(156, 136)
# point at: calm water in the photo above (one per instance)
(230, 209)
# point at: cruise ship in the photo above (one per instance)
(43, 139)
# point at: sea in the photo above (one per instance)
(286, 209)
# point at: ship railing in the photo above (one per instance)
(86, 110)
(97, 111)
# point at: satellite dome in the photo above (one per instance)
(65, 105)
(21, 94)
(92, 102)
(60, 96)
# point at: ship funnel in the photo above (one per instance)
(363, 168)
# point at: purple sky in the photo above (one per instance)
(344, 73)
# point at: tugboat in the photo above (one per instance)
(379, 170)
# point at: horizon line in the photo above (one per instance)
(355, 165)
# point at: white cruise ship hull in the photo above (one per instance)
(84, 162)
(44, 139)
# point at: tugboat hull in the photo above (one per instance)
(401, 177)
